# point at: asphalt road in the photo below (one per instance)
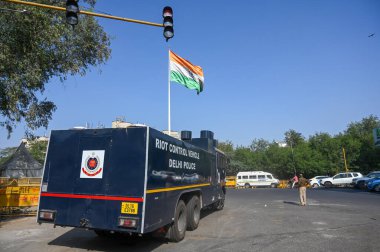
(252, 220)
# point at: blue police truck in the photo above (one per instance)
(134, 180)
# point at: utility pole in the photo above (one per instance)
(294, 163)
(344, 157)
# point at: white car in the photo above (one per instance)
(344, 178)
(316, 181)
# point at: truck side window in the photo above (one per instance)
(239, 177)
(269, 176)
(245, 177)
(252, 177)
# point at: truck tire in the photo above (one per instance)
(177, 230)
(247, 185)
(273, 185)
(193, 213)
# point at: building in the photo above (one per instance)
(28, 142)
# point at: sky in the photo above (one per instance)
(269, 66)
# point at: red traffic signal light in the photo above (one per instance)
(72, 10)
(167, 14)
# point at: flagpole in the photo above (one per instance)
(169, 129)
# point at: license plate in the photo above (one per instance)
(129, 208)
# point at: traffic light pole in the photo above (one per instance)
(89, 13)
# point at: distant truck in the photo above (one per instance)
(256, 179)
(133, 181)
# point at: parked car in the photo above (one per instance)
(361, 182)
(341, 179)
(374, 184)
(316, 181)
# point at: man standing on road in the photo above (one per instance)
(302, 183)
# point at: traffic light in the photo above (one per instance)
(167, 14)
(72, 10)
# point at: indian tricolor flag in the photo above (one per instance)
(185, 73)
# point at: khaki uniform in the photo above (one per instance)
(302, 188)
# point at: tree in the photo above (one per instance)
(227, 147)
(259, 145)
(359, 144)
(327, 152)
(6, 153)
(280, 161)
(363, 130)
(293, 138)
(38, 150)
(35, 47)
(321, 154)
(234, 165)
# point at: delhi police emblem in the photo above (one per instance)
(92, 164)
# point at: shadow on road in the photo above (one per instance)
(87, 239)
(206, 212)
(292, 203)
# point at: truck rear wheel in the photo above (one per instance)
(247, 185)
(177, 230)
(193, 213)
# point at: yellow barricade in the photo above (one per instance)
(25, 194)
(230, 181)
(283, 184)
